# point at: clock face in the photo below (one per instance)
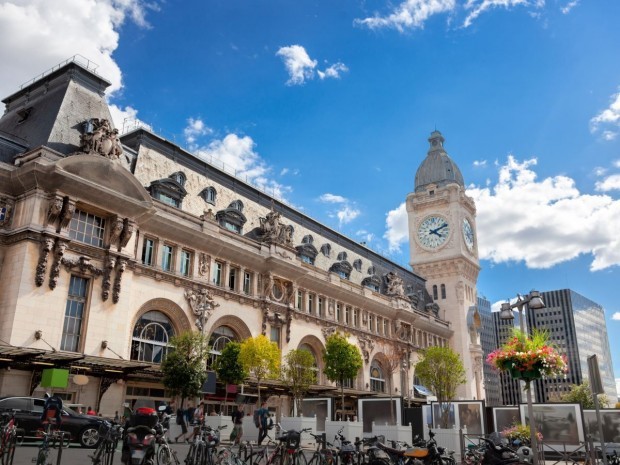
(468, 234)
(433, 232)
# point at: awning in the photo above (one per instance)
(422, 391)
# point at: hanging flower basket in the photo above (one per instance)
(529, 357)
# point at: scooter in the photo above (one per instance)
(141, 437)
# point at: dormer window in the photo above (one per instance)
(237, 205)
(232, 218)
(168, 190)
(357, 264)
(342, 269)
(342, 256)
(326, 250)
(179, 177)
(209, 195)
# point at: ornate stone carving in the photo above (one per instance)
(395, 285)
(68, 209)
(59, 251)
(83, 264)
(6, 210)
(116, 228)
(207, 215)
(202, 305)
(328, 331)
(367, 345)
(100, 139)
(273, 231)
(128, 229)
(54, 210)
(289, 323)
(203, 264)
(46, 246)
(110, 263)
(121, 264)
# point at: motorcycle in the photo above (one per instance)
(497, 453)
(141, 437)
(424, 453)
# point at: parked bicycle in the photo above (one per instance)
(8, 441)
(202, 450)
(165, 454)
(287, 450)
(325, 453)
(110, 435)
(52, 439)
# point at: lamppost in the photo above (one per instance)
(531, 301)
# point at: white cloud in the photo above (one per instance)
(301, 67)
(236, 155)
(347, 214)
(540, 222)
(569, 6)
(616, 316)
(397, 229)
(610, 183)
(480, 163)
(346, 211)
(600, 171)
(478, 7)
(608, 120)
(283, 171)
(410, 14)
(365, 236)
(333, 71)
(298, 63)
(88, 28)
(544, 222)
(195, 128)
(331, 198)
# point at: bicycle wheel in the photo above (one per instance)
(42, 457)
(256, 458)
(164, 455)
(299, 458)
(191, 455)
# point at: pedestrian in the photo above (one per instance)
(116, 417)
(197, 421)
(237, 419)
(90, 411)
(182, 422)
(263, 417)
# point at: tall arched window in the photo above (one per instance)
(218, 340)
(435, 296)
(315, 367)
(377, 380)
(443, 291)
(150, 337)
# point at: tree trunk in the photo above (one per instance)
(225, 398)
(342, 401)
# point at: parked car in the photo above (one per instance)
(28, 410)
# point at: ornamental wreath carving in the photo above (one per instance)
(100, 139)
(202, 305)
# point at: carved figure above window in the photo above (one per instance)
(6, 209)
(100, 139)
(394, 285)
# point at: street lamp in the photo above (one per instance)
(533, 301)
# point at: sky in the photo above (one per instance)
(328, 106)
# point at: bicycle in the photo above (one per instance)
(165, 454)
(8, 440)
(202, 450)
(323, 455)
(286, 452)
(110, 434)
(49, 442)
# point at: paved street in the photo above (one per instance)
(76, 455)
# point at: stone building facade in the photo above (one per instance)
(111, 244)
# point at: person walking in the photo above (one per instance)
(237, 419)
(263, 416)
(182, 422)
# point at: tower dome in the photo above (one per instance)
(437, 168)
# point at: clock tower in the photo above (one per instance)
(444, 250)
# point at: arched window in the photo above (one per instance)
(179, 177)
(209, 195)
(377, 380)
(435, 296)
(237, 205)
(150, 337)
(342, 256)
(443, 291)
(315, 367)
(218, 340)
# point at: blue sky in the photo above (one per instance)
(328, 105)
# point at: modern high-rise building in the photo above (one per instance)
(577, 327)
(489, 340)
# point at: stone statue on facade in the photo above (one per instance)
(202, 305)
(101, 139)
(273, 231)
(395, 285)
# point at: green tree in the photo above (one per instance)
(298, 373)
(260, 357)
(442, 371)
(228, 366)
(184, 369)
(581, 394)
(343, 360)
